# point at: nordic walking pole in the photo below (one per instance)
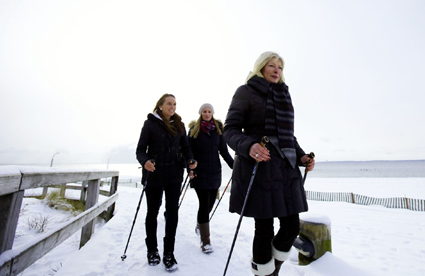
(184, 184)
(187, 186)
(190, 162)
(311, 155)
(263, 143)
(220, 198)
(123, 257)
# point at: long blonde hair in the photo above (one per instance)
(262, 61)
(195, 127)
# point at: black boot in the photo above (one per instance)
(154, 258)
(277, 265)
(279, 258)
(169, 261)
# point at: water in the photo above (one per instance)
(345, 169)
(387, 169)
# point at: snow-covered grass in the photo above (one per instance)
(366, 240)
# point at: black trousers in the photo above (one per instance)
(206, 200)
(264, 236)
(154, 201)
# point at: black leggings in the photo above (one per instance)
(154, 200)
(206, 202)
(264, 236)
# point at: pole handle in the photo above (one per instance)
(264, 141)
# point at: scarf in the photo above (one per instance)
(207, 126)
(279, 116)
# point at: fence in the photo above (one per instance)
(13, 183)
(393, 202)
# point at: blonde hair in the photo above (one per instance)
(195, 127)
(261, 62)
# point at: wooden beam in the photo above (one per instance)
(32, 180)
(17, 262)
(10, 181)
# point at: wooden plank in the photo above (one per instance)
(5, 268)
(41, 179)
(10, 207)
(24, 259)
(92, 198)
(9, 183)
(83, 192)
(104, 193)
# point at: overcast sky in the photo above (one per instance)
(80, 77)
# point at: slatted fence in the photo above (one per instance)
(392, 202)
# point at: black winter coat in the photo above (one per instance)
(168, 151)
(206, 149)
(277, 190)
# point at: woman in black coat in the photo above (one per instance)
(263, 107)
(162, 151)
(207, 143)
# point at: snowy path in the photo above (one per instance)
(373, 239)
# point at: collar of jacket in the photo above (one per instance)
(155, 115)
(262, 85)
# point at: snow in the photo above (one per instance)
(366, 240)
(316, 218)
(9, 170)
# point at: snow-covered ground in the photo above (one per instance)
(366, 240)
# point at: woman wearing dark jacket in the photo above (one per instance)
(162, 151)
(263, 107)
(206, 142)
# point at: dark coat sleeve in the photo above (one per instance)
(142, 146)
(185, 148)
(300, 152)
(235, 123)
(224, 152)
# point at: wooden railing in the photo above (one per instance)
(14, 180)
(392, 202)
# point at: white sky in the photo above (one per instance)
(79, 77)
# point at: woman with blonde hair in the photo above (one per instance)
(162, 151)
(263, 107)
(207, 143)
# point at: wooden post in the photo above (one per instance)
(92, 198)
(114, 186)
(83, 191)
(62, 190)
(317, 230)
(45, 191)
(352, 198)
(10, 206)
